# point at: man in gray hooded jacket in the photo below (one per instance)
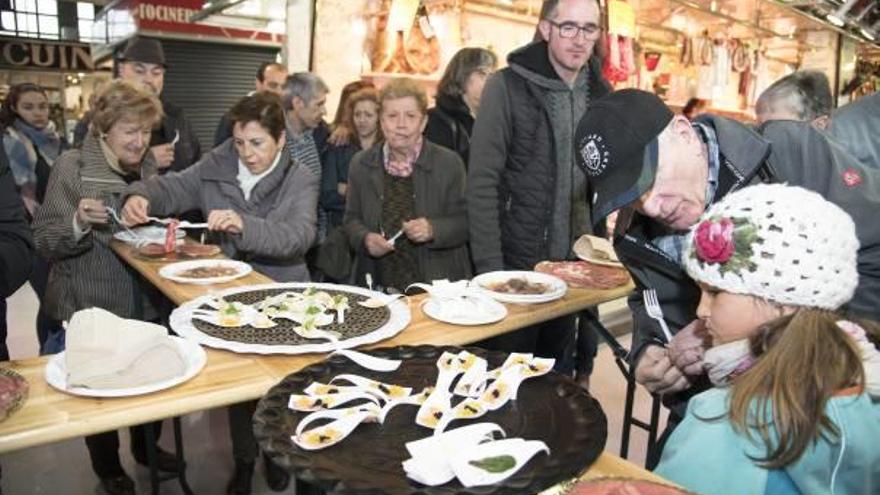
(526, 197)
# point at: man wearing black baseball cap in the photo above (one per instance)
(174, 143)
(660, 172)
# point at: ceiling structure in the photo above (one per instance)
(783, 26)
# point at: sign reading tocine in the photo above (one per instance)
(28, 54)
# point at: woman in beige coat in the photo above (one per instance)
(410, 186)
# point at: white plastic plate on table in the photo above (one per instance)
(182, 322)
(148, 234)
(557, 288)
(192, 352)
(490, 311)
(174, 270)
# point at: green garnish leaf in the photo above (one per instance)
(498, 464)
(313, 310)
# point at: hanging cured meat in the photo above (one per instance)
(422, 47)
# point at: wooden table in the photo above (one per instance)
(228, 378)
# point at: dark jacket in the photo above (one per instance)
(187, 150)
(450, 125)
(438, 177)
(856, 127)
(335, 162)
(279, 217)
(224, 130)
(16, 244)
(86, 272)
(785, 151)
(521, 210)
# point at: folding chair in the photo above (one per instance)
(620, 357)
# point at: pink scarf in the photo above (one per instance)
(401, 168)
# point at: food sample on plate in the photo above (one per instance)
(517, 285)
(584, 275)
(171, 235)
(152, 250)
(104, 351)
(616, 486)
(13, 392)
(208, 272)
(195, 251)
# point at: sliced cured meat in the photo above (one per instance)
(584, 275)
(13, 392)
(613, 486)
(171, 236)
(152, 250)
(198, 250)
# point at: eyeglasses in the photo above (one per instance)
(571, 30)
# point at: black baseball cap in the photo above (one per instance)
(617, 148)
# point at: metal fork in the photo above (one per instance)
(138, 241)
(652, 305)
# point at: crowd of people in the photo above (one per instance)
(758, 241)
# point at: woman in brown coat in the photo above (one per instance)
(410, 186)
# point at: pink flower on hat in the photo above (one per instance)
(714, 240)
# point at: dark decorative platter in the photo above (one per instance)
(358, 321)
(551, 408)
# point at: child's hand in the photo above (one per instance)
(688, 347)
(657, 372)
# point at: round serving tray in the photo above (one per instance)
(551, 408)
(362, 325)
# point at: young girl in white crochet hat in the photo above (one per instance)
(795, 409)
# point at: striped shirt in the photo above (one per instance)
(303, 150)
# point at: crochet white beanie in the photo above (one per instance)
(777, 242)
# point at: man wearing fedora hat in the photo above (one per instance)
(174, 144)
(661, 172)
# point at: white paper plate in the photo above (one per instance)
(148, 234)
(192, 352)
(488, 311)
(172, 272)
(181, 322)
(558, 288)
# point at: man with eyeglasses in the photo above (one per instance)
(526, 198)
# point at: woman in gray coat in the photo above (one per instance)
(260, 203)
(410, 186)
(263, 206)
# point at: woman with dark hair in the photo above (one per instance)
(32, 145)
(72, 229)
(406, 215)
(263, 206)
(451, 121)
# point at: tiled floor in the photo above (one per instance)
(63, 467)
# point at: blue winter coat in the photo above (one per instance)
(707, 456)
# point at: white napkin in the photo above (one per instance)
(105, 351)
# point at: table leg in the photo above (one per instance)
(178, 452)
(152, 457)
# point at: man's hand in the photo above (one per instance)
(377, 245)
(163, 154)
(657, 373)
(135, 210)
(688, 347)
(419, 230)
